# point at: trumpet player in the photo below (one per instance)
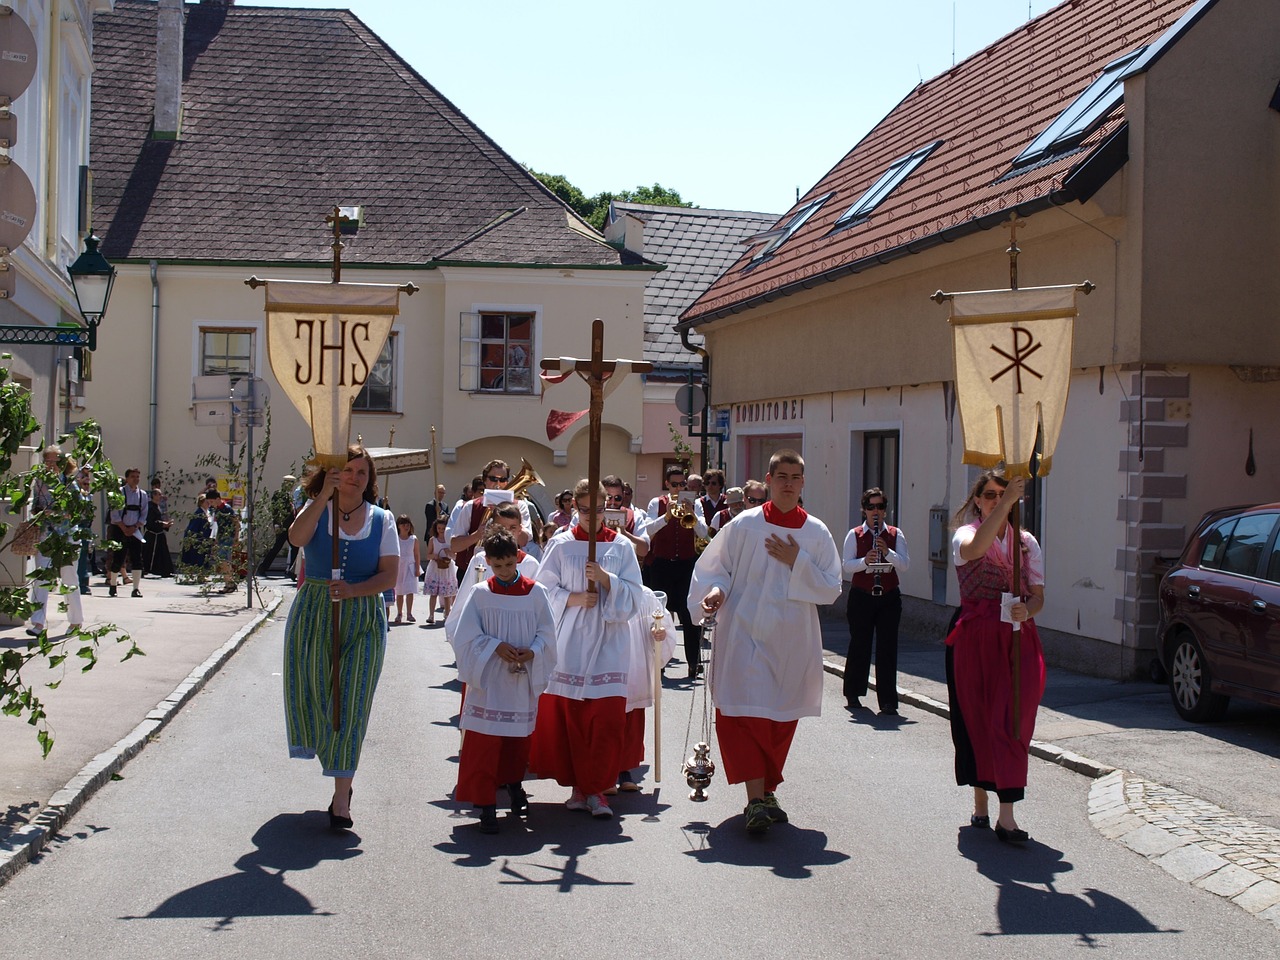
(875, 603)
(467, 525)
(669, 564)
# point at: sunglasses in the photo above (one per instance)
(496, 479)
(991, 494)
(877, 506)
(613, 499)
(755, 500)
(676, 483)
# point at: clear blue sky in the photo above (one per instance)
(734, 104)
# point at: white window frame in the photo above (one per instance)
(72, 150)
(254, 328)
(470, 343)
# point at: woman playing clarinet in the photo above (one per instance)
(991, 745)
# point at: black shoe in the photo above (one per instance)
(519, 800)
(111, 590)
(339, 823)
(981, 823)
(854, 703)
(136, 592)
(489, 819)
(695, 672)
(891, 712)
(1011, 836)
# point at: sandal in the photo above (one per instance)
(411, 619)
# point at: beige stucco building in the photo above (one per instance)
(1162, 187)
(242, 185)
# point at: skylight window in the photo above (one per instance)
(782, 234)
(1084, 114)
(898, 171)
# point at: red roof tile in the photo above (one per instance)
(986, 110)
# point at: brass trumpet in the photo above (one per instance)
(682, 513)
(519, 487)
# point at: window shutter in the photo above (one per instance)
(469, 352)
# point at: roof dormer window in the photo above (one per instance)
(1085, 114)
(898, 171)
(773, 239)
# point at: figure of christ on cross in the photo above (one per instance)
(595, 372)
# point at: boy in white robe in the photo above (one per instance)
(763, 577)
(582, 716)
(506, 517)
(504, 640)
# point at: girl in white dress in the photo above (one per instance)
(441, 580)
(410, 568)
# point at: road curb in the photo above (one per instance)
(1193, 840)
(22, 845)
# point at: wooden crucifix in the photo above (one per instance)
(595, 372)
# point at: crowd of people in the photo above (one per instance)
(135, 537)
(558, 631)
(555, 646)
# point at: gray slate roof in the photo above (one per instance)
(697, 246)
(288, 112)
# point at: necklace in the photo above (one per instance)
(346, 514)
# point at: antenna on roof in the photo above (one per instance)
(953, 32)
(797, 194)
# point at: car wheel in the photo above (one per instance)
(1189, 682)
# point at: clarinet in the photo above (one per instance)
(877, 590)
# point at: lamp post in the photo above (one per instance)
(92, 277)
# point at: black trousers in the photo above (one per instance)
(876, 617)
(672, 578)
(129, 547)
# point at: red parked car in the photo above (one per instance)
(1219, 631)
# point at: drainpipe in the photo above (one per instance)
(706, 386)
(153, 413)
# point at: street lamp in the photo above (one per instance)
(91, 279)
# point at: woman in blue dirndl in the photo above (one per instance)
(369, 558)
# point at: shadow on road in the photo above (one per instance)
(786, 850)
(288, 843)
(1026, 901)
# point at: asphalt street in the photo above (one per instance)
(1234, 763)
(214, 844)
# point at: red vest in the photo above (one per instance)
(865, 580)
(672, 542)
(477, 516)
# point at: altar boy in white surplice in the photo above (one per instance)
(763, 576)
(504, 641)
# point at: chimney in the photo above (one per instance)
(169, 30)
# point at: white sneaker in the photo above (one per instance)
(599, 806)
(577, 801)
